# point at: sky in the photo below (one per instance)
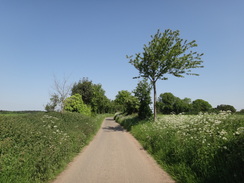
(73, 39)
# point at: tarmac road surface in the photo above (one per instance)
(114, 156)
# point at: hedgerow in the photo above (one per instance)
(36, 147)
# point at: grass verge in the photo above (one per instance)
(194, 148)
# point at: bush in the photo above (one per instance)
(76, 104)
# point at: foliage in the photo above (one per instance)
(165, 54)
(194, 148)
(100, 103)
(85, 89)
(54, 101)
(92, 95)
(142, 92)
(241, 111)
(129, 103)
(36, 147)
(200, 105)
(168, 103)
(75, 104)
(224, 107)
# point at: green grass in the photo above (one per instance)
(194, 148)
(36, 147)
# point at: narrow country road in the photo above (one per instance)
(114, 156)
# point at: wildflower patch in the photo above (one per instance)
(196, 148)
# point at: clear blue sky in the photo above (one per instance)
(42, 38)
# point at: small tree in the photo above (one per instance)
(142, 92)
(54, 100)
(165, 54)
(61, 90)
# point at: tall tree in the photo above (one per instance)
(165, 54)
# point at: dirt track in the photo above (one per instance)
(114, 156)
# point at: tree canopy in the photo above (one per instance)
(128, 103)
(166, 54)
(200, 105)
(92, 95)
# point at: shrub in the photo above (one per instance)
(76, 104)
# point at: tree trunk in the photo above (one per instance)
(154, 101)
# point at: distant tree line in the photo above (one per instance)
(167, 103)
(166, 54)
(89, 98)
(85, 97)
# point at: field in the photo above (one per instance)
(36, 147)
(194, 148)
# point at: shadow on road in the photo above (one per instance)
(113, 129)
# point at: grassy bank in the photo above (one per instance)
(194, 148)
(36, 147)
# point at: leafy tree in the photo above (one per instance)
(85, 88)
(51, 106)
(142, 92)
(100, 102)
(92, 95)
(187, 100)
(181, 106)
(224, 107)
(129, 103)
(165, 54)
(200, 105)
(76, 104)
(166, 102)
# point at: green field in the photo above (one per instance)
(194, 148)
(35, 147)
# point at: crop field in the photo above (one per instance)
(194, 148)
(36, 147)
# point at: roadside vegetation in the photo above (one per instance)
(193, 141)
(36, 147)
(193, 148)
